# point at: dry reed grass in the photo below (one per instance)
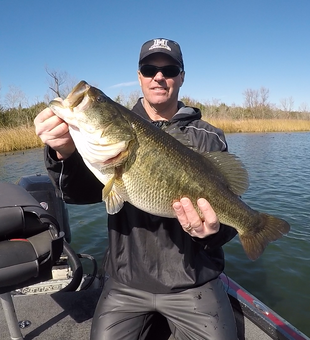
(21, 138)
(261, 125)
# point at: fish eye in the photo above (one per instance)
(101, 99)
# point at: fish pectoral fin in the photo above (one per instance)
(114, 203)
(113, 200)
(108, 188)
(232, 169)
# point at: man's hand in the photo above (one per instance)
(54, 132)
(191, 221)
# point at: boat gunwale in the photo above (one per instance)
(257, 312)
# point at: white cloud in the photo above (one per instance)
(130, 83)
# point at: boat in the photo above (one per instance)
(61, 305)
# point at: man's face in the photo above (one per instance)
(159, 90)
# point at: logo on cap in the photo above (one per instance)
(160, 43)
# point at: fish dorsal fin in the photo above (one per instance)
(232, 169)
(113, 200)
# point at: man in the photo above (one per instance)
(155, 264)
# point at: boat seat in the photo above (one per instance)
(30, 244)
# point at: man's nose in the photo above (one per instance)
(159, 76)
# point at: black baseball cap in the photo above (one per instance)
(161, 45)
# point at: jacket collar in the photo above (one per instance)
(183, 116)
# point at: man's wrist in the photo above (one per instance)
(63, 156)
(65, 153)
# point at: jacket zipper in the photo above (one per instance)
(60, 179)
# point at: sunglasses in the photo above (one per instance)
(169, 71)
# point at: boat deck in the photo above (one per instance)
(68, 316)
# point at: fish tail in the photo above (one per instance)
(267, 229)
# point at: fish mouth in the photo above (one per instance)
(71, 108)
(117, 160)
(75, 97)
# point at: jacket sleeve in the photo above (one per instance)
(73, 181)
(212, 242)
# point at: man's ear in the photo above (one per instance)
(139, 77)
(182, 77)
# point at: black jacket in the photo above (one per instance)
(148, 252)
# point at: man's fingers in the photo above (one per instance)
(191, 213)
(43, 116)
(209, 214)
(179, 211)
(192, 222)
(187, 215)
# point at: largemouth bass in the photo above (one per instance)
(145, 166)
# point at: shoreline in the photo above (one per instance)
(24, 138)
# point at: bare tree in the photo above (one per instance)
(133, 98)
(15, 98)
(256, 102)
(60, 83)
(128, 100)
(251, 98)
(120, 98)
(256, 98)
(304, 107)
(287, 104)
(263, 97)
(58, 79)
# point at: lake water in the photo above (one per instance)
(279, 171)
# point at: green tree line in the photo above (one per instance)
(19, 116)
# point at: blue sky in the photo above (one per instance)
(228, 45)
